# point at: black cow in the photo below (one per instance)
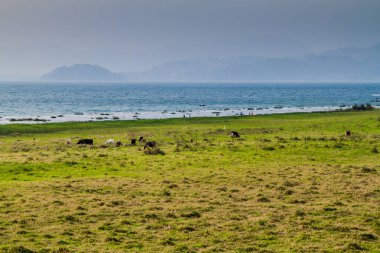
(86, 141)
(348, 133)
(133, 142)
(118, 144)
(235, 134)
(150, 144)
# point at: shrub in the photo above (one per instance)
(169, 242)
(368, 170)
(263, 199)
(154, 151)
(300, 213)
(368, 237)
(362, 107)
(329, 209)
(193, 214)
(61, 250)
(166, 193)
(151, 216)
(354, 247)
(20, 249)
(112, 240)
(269, 148)
(68, 218)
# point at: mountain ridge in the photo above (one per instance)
(344, 64)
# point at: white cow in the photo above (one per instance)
(110, 142)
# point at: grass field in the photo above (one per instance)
(291, 183)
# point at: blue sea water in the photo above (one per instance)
(88, 101)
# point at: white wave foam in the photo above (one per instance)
(31, 119)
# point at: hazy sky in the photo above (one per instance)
(127, 35)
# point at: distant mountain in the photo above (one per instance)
(82, 72)
(357, 53)
(347, 64)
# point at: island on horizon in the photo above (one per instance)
(82, 72)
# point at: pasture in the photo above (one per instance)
(290, 183)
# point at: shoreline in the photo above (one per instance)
(144, 115)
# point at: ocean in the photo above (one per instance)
(60, 102)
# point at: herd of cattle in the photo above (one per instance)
(147, 144)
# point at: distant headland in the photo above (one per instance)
(82, 72)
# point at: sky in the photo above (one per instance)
(37, 36)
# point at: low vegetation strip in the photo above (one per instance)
(287, 183)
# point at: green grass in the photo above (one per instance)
(292, 183)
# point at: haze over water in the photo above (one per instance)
(105, 101)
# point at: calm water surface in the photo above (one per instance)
(90, 100)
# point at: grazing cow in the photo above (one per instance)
(235, 134)
(110, 142)
(141, 139)
(68, 142)
(86, 141)
(133, 142)
(118, 144)
(150, 144)
(348, 133)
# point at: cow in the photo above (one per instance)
(110, 142)
(68, 142)
(150, 144)
(235, 134)
(348, 133)
(133, 142)
(118, 144)
(141, 139)
(86, 141)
